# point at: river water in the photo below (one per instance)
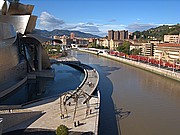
(66, 78)
(134, 101)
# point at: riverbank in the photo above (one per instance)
(85, 111)
(153, 69)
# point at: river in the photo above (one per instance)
(134, 101)
(66, 78)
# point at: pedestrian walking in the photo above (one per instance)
(61, 115)
(78, 123)
(86, 112)
(74, 124)
(90, 111)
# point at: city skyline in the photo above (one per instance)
(97, 17)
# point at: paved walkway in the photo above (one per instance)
(51, 119)
(87, 114)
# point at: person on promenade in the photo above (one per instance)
(90, 111)
(61, 115)
(86, 112)
(78, 123)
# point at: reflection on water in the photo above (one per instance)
(133, 101)
(66, 78)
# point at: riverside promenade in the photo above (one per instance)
(147, 67)
(77, 109)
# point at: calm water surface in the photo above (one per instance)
(133, 101)
(66, 78)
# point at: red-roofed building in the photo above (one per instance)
(169, 52)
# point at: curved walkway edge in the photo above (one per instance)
(80, 117)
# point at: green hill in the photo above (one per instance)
(158, 32)
(57, 32)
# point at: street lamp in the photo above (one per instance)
(173, 65)
(159, 62)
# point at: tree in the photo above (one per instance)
(125, 47)
(135, 51)
(62, 130)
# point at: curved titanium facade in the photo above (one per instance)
(12, 66)
(18, 54)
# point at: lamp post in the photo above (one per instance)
(173, 65)
(159, 61)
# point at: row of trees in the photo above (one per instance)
(125, 48)
(94, 45)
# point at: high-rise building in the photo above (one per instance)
(72, 35)
(111, 34)
(116, 35)
(123, 34)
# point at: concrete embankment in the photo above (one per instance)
(80, 112)
(147, 67)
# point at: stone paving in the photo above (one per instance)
(51, 119)
(87, 115)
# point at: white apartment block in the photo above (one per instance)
(167, 52)
(172, 38)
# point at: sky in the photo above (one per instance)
(99, 16)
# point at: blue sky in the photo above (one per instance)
(99, 16)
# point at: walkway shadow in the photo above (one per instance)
(107, 115)
(107, 118)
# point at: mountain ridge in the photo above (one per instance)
(57, 32)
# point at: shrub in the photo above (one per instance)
(62, 130)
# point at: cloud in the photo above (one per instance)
(140, 27)
(49, 22)
(84, 27)
(138, 19)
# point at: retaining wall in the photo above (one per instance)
(153, 69)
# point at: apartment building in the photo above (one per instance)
(103, 42)
(114, 44)
(117, 35)
(172, 38)
(123, 35)
(169, 52)
(147, 49)
(72, 35)
(111, 34)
